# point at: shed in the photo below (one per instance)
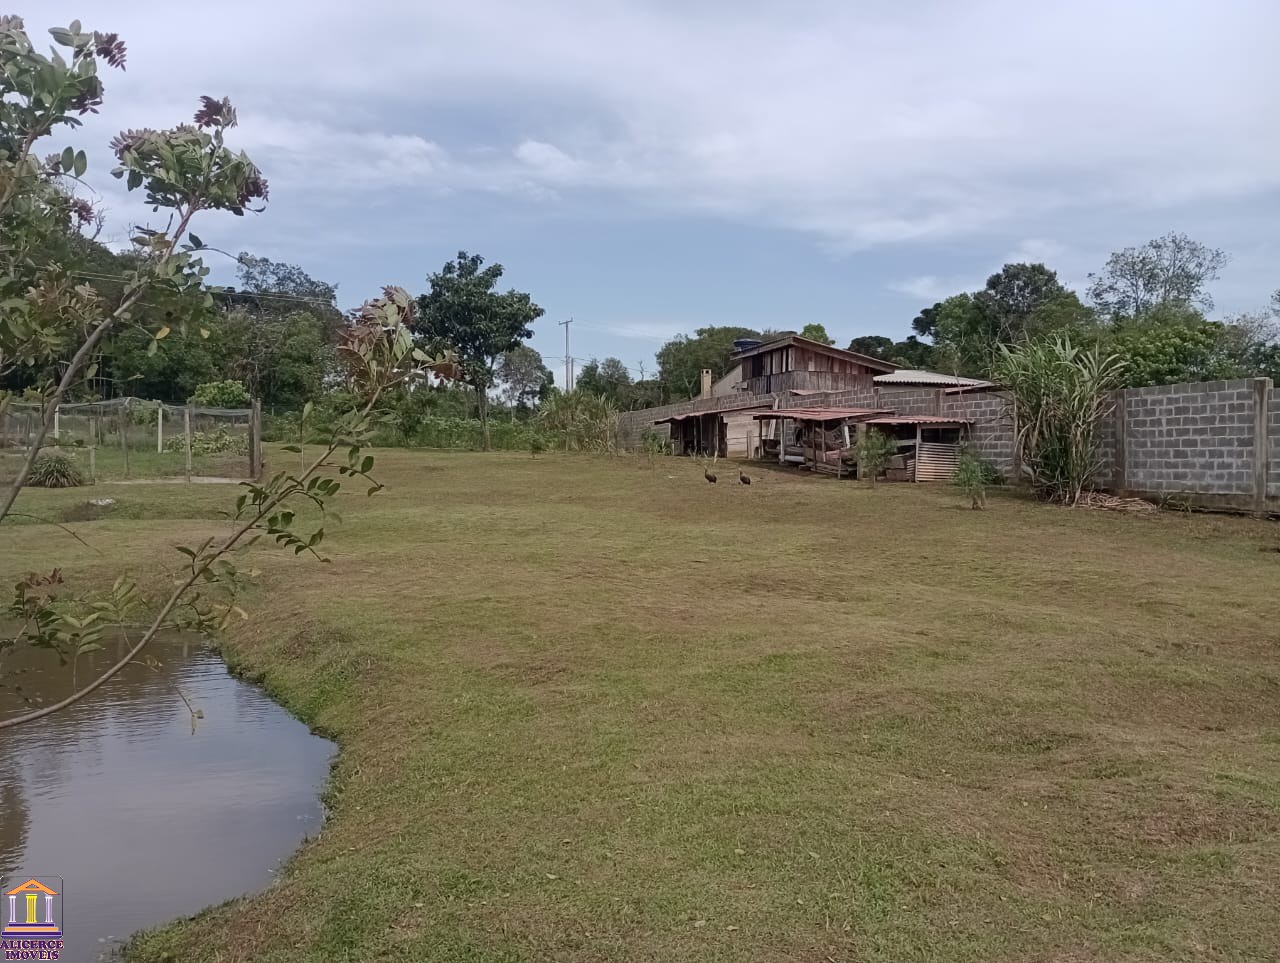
(726, 432)
(928, 446)
(816, 437)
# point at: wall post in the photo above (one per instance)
(255, 440)
(1262, 389)
(186, 426)
(1120, 474)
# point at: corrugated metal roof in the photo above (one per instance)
(917, 420)
(915, 376)
(713, 411)
(822, 414)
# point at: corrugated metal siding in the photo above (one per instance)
(936, 462)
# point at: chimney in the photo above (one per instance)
(706, 383)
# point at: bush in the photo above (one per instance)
(221, 394)
(875, 448)
(213, 442)
(655, 442)
(974, 475)
(55, 470)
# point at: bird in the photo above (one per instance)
(744, 477)
(708, 476)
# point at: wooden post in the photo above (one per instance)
(255, 440)
(1120, 475)
(782, 441)
(123, 422)
(159, 428)
(1262, 388)
(186, 428)
(93, 464)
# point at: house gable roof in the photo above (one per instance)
(786, 340)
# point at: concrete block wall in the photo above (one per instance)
(1190, 439)
(1273, 476)
(991, 426)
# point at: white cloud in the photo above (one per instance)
(858, 125)
(931, 287)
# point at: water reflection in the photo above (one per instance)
(144, 819)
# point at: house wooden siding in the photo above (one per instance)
(796, 363)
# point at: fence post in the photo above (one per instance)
(1262, 388)
(93, 463)
(123, 422)
(255, 440)
(159, 428)
(1120, 474)
(57, 422)
(186, 427)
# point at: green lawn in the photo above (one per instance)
(595, 709)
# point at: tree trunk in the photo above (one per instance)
(483, 402)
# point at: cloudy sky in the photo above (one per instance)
(650, 166)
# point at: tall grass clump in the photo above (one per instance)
(1061, 393)
(55, 470)
(580, 421)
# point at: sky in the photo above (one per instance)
(647, 167)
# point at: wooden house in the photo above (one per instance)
(792, 363)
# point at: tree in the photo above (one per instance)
(1173, 343)
(464, 312)
(925, 324)
(261, 275)
(608, 379)
(1020, 302)
(874, 448)
(681, 360)
(875, 345)
(1172, 269)
(816, 332)
(524, 377)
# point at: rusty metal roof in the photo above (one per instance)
(714, 411)
(822, 414)
(918, 420)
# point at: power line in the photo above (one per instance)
(568, 359)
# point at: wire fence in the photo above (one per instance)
(133, 439)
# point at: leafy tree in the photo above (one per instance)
(876, 345)
(464, 312)
(1172, 269)
(608, 379)
(261, 275)
(681, 360)
(221, 394)
(1174, 343)
(925, 324)
(816, 332)
(1020, 302)
(524, 377)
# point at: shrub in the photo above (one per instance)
(1061, 393)
(655, 443)
(55, 470)
(973, 476)
(221, 394)
(214, 442)
(875, 448)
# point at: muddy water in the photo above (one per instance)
(143, 818)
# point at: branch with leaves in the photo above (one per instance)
(379, 353)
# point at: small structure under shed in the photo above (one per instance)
(928, 446)
(725, 433)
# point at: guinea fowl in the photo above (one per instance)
(744, 477)
(708, 476)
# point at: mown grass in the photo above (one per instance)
(596, 709)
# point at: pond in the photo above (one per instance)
(143, 818)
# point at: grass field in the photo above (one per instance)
(592, 709)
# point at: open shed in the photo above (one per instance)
(928, 445)
(819, 438)
(727, 432)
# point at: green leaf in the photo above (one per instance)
(61, 35)
(163, 332)
(81, 163)
(195, 241)
(306, 411)
(151, 347)
(68, 159)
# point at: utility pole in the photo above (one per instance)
(568, 360)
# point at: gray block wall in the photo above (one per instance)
(1273, 476)
(1190, 439)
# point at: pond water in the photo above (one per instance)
(144, 819)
